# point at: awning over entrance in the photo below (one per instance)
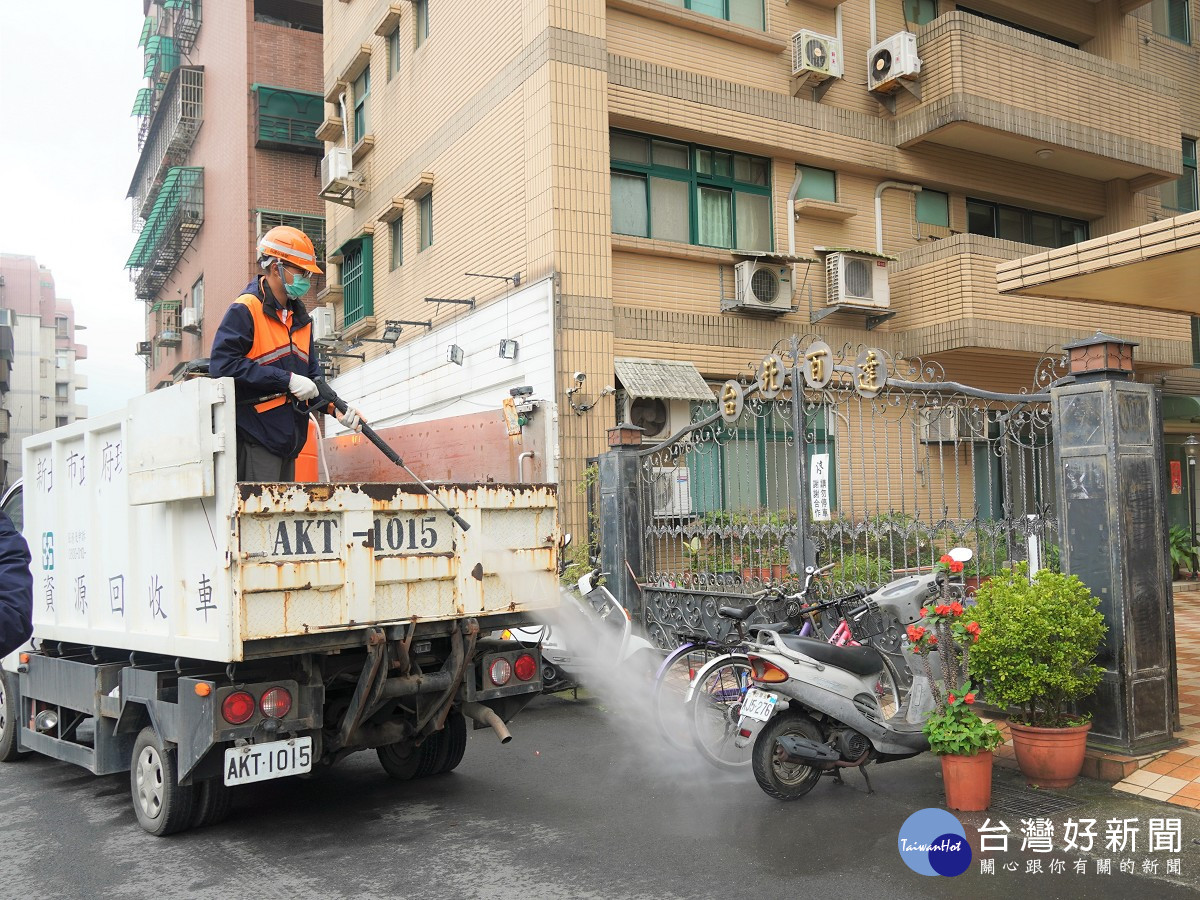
(667, 379)
(1181, 407)
(1154, 266)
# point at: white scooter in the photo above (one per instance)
(589, 635)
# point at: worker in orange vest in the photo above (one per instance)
(265, 344)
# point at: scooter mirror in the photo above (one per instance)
(566, 540)
(961, 554)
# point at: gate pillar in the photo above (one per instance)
(622, 518)
(1112, 513)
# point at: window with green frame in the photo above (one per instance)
(740, 12)
(688, 193)
(425, 211)
(1181, 195)
(397, 233)
(817, 184)
(1196, 342)
(357, 281)
(362, 90)
(1028, 226)
(1172, 18)
(393, 43)
(751, 465)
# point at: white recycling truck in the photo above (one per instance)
(202, 634)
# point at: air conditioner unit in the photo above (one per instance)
(335, 169)
(817, 56)
(658, 418)
(190, 319)
(671, 493)
(322, 326)
(169, 338)
(761, 286)
(951, 424)
(857, 280)
(891, 60)
(144, 348)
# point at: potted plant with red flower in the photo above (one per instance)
(956, 733)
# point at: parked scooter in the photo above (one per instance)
(590, 634)
(814, 708)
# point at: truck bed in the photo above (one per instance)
(143, 541)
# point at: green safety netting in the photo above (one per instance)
(176, 4)
(144, 104)
(174, 188)
(147, 30)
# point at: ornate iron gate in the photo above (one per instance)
(884, 462)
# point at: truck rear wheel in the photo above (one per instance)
(162, 805)
(400, 760)
(10, 717)
(434, 752)
(455, 734)
(213, 801)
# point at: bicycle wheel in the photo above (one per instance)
(669, 691)
(714, 709)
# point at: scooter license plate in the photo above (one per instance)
(759, 705)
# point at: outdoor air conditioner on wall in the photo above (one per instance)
(761, 286)
(335, 168)
(950, 424)
(856, 279)
(671, 493)
(818, 56)
(322, 326)
(891, 60)
(658, 418)
(144, 348)
(190, 320)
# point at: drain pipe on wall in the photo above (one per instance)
(874, 24)
(879, 189)
(791, 211)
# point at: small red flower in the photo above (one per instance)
(915, 632)
(969, 698)
(947, 559)
(933, 639)
(973, 629)
(956, 566)
(942, 609)
(956, 608)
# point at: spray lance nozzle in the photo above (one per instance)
(327, 395)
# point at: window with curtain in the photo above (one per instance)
(397, 234)
(425, 208)
(672, 191)
(920, 12)
(421, 8)
(740, 12)
(393, 42)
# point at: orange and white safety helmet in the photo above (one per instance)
(289, 244)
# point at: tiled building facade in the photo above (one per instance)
(227, 151)
(625, 151)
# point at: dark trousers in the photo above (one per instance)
(256, 463)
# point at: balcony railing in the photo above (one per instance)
(288, 120)
(990, 88)
(176, 216)
(172, 130)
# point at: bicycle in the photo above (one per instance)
(713, 705)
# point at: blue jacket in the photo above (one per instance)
(262, 368)
(16, 588)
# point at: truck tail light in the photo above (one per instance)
(238, 707)
(526, 666)
(276, 703)
(500, 671)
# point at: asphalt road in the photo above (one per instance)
(584, 803)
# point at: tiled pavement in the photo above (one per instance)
(1175, 776)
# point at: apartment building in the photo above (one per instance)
(691, 181)
(39, 384)
(232, 98)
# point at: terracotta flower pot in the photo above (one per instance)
(1050, 757)
(968, 781)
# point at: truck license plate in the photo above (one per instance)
(759, 705)
(262, 762)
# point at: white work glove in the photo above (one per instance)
(302, 388)
(351, 419)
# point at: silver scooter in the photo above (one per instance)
(816, 708)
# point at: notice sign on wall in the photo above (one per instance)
(1176, 477)
(819, 479)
